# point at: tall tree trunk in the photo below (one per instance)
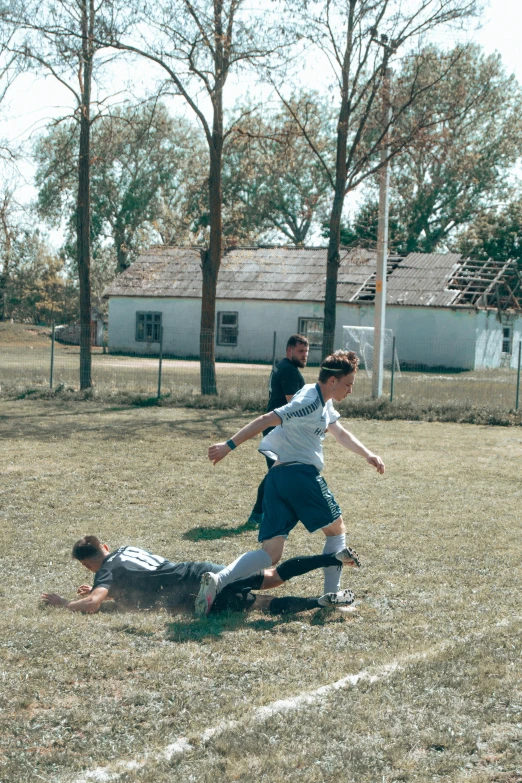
(122, 252)
(211, 260)
(83, 215)
(332, 270)
(4, 276)
(333, 259)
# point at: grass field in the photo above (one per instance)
(129, 697)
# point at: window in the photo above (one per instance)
(312, 328)
(148, 327)
(506, 339)
(227, 329)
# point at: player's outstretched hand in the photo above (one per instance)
(84, 590)
(376, 462)
(53, 599)
(218, 451)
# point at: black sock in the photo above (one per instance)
(292, 604)
(297, 566)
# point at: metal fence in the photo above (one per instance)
(150, 369)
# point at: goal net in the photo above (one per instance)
(361, 340)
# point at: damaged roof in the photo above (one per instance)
(299, 274)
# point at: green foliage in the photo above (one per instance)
(34, 284)
(496, 234)
(146, 178)
(273, 184)
(361, 230)
(457, 164)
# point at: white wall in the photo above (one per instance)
(517, 339)
(430, 336)
(258, 320)
(490, 338)
(180, 318)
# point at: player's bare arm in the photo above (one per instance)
(219, 451)
(351, 443)
(90, 604)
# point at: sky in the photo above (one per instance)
(33, 103)
(501, 32)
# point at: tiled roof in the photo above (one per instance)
(299, 274)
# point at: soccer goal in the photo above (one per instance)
(361, 339)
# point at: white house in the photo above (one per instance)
(445, 311)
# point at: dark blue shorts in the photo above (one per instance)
(296, 492)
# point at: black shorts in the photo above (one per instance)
(237, 596)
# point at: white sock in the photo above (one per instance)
(332, 574)
(246, 565)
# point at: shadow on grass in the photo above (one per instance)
(212, 533)
(213, 627)
(64, 418)
(209, 628)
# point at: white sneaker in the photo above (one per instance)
(343, 600)
(348, 556)
(207, 593)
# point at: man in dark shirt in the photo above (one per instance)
(285, 380)
(137, 579)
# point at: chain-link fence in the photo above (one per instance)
(171, 366)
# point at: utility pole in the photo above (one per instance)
(379, 322)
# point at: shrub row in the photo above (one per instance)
(355, 408)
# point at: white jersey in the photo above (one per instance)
(304, 421)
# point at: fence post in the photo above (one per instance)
(274, 349)
(392, 370)
(517, 400)
(160, 361)
(52, 360)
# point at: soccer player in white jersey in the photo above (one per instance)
(295, 489)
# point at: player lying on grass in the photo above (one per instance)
(137, 579)
(294, 488)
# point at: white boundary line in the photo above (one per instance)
(261, 714)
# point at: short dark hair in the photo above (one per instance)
(338, 364)
(87, 547)
(296, 339)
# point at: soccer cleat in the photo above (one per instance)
(206, 595)
(348, 556)
(340, 600)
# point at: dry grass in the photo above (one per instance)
(475, 396)
(441, 538)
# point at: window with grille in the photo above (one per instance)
(312, 328)
(148, 327)
(506, 339)
(227, 330)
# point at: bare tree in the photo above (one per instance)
(9, 70)
(61, 40)
(7, 233)
(273, 185)
(198, 44)
(457, 168)
(358, 39)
